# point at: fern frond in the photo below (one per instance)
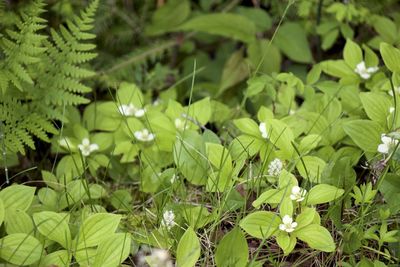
(22, 47)
(66, 52)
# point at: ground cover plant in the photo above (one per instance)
(200, 133)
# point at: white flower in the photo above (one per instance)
(159, 258)
(131, 110)
(144, 135)
(275, 167)
(263, 129)
(180, 124)
(391, 109)
(86, 147)
(288, 225)
(298, 193)
(396, 91)
(387, 144)
(168, 220)
(365, 72)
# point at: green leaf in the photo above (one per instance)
(352, 54)
(366, 134)
(286, 242)
(314, 167)
(305, 218)
(386, 28)
(391, 57)
(317, 237)
(54, 226)
(188, 251)
(224, 24)
(20, 249)
(260, 224)
(271, 196)
(168, 16)
(57, 258)
(2, 211)
(189, 157)
(221, 159)
(323, 193)
(97, 228)
(259, 16)
(232, 250)
(235, 70)
(292, 40)
(376, 106)
(17, 197)
(113, 251)
(337, 68)
(265, 55)
(200, 110)
(247, 126)
(18, 221)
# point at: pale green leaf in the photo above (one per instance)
(113, 251)
(188, 251)
(366, 134)
(97, 228)
(352, 53)
(317, 237)
(54, 226)
(391, 57)
(260, 224)
(292, 40)
(20, 249)
(232, 250)
(376, 106)
(17, 197)
(323, 193)
(228, 25)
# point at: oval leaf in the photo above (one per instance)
(232, 250)
(20, 249)
(323, 193)
(317, 237)
(261, 224)
(96, 228)
(54, 226)
(188, 251)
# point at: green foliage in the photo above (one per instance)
(215, 131)
(40, 77)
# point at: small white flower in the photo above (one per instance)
(298, 193)
(168, 220)
(365, 72)
(288, 225)
(291, 112)
(388, 143)
(180, 124)
(86, 147)
(275, 167)
(159, 258)
(131, 110)
(396, 91)
(391, 109)
(144, 135)
(263, 129)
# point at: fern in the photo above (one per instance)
(22, 47)
(40, 75)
